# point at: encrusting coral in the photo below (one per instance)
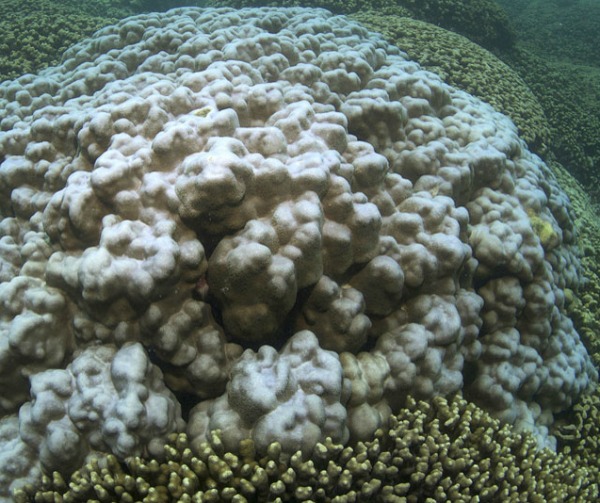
(277, 215)
(443, 450)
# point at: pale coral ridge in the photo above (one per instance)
(440, 451)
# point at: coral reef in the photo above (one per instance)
(563, 30)
(584, 305)
(556, 54)
(279, 216)
(577, 429)
(569, 95)
(482, 21)
(36, 32)
(579, 435)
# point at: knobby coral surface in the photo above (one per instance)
(482, 21)
(469, 67)
(277, 215)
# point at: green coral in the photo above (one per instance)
(445, 450)
(579, 437)
(442, 450)
(467, 66)
(578, 429)
(336, 6)
(545, 231)
(557, 55)
(567, 30)
(569, 95)
(36, 32)
(482, 21)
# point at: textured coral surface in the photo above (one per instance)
(276, 216)
(468, 66)
(482, 21)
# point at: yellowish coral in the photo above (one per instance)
(544, 230)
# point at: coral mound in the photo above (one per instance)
(274, 212)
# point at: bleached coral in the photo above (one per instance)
(292, 397)
(107, 399)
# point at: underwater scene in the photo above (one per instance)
(300, 251)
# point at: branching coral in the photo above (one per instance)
(446, 450)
